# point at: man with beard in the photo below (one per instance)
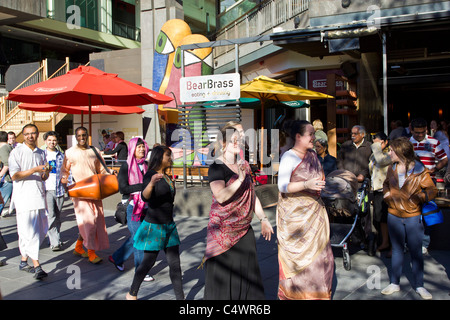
(29, 170)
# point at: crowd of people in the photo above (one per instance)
(401, 168)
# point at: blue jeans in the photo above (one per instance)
(127, 248)
(6, 191)
(409, 231)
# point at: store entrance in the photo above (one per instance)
(419, 72)
(419, 89)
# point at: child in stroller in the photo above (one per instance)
(347, 207)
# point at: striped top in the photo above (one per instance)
(429, 150)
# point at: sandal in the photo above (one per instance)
(96, 260)
(84, 254)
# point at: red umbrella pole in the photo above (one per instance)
(90, 121)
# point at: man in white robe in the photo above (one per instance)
(28, 170)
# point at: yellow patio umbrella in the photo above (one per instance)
(265, 88)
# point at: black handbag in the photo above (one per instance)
(3, 245)
(121, 212)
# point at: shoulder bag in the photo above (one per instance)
(121, 212)
(431, 213)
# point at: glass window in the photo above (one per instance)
(124, 19)
(85, 11)
(231, 10)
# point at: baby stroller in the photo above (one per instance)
(346, 204)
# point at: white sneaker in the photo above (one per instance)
(149, 278)
(390, 289)
(424, 250)
(424, 293)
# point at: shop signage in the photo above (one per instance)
(210, 88)
(317, 80)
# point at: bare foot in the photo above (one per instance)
(130, 297)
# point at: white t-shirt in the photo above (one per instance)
(50, 183)
(289, 161)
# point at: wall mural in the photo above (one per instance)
(166, 80)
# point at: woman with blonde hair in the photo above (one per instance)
(232, 270)
(319, 133)
(407, 186)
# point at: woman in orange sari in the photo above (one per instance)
(306, 262)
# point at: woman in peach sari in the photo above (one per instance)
(306, 262)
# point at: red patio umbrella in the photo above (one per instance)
(103, 109)
(88, 86)
(111, 110)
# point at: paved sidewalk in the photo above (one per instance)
(74, 278)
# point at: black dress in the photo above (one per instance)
(234, 274)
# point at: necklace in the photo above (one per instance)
(170, 183)
(225, 161)
(301, 152)
(231, 166)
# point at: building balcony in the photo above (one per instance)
(261, 20)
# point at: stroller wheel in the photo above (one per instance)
(346, 258)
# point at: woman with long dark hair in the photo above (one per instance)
(158, 230)
(407, 186)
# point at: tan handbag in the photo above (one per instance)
(95, 187)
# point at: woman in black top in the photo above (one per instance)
(158, 230)
(130, 186)
(121, 149)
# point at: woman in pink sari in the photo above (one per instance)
(232, 270)
(306, 262)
